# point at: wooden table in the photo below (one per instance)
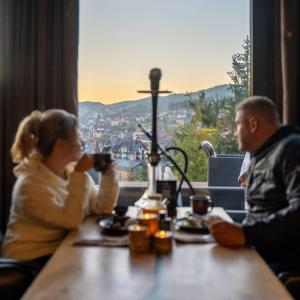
(191, 271)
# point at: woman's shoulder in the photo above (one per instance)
(34, 174)
(29, 181)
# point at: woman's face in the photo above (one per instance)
(72, 147)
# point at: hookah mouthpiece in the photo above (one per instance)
(155, 76)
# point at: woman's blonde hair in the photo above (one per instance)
(38, 132)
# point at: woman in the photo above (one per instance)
(50, 197)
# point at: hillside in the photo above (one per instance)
(143, 106)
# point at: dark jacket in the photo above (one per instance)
(272, 224)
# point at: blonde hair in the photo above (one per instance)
(38, 132)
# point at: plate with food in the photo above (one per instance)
(192, 224)
(115, 225)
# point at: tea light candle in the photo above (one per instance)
(150, 221)
(162, 241)
(138, 238)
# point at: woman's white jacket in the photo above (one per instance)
(45, 207)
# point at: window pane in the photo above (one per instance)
(203, 49)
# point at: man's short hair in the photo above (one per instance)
(259, 105)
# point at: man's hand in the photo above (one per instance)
(243, 181)
(228, 234)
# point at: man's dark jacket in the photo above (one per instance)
(272, 224)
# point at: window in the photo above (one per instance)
(203, 49)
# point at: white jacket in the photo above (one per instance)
(45, 206)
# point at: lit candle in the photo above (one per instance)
(150, 221)
(162, 241)
(138, 238)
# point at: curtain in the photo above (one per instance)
(289, 22)
(38, 70)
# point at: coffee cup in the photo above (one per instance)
(102, 161)
(201, 204)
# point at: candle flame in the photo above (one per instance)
(162, 234)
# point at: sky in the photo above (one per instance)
(191, 41)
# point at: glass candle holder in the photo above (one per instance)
(138, 238)
(154, 204)
(162, 241)
(151, 221)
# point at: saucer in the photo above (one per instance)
(114, 225)
(190, 226)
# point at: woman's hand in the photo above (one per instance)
(85, 163)
(110, 169)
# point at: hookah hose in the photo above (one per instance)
(184, 177)
(185, 167)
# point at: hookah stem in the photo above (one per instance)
(154, 76)
(154, 123)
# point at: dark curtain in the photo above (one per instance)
(38, 70)
(266, 71)
(290, 49)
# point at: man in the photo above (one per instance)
(272, 224)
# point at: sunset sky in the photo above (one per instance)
(191, 41)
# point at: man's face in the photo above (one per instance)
(243, 133)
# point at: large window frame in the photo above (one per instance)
(265, 74)
(265, 61)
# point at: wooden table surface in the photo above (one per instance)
(191, 271)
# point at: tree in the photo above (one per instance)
(188, 138)
(240, 74)
(140, 173)
(213, 119)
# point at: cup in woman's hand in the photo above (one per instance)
(201, 203)
(102, 161)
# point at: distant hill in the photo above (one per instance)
(143, 106)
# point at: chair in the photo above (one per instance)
(223, 172)
(208, 149)
(15, 277)
(291, 280)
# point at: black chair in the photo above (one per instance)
(129, 195)
(291, 280)
(224, 170)
(15, 277)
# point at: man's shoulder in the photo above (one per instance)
(291, 141)
(288, 149)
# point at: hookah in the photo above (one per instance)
(151, 200)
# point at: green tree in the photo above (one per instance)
(213, 119)
(140, 173)
(188, 138)
(240, 73)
